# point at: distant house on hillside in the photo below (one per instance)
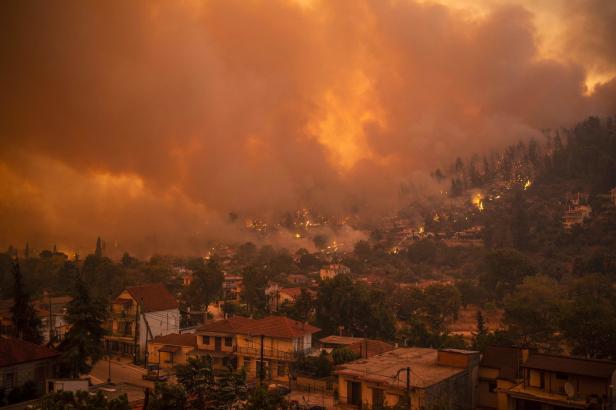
(139, 314)
(333, 270)
(578, 210)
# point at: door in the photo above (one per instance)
(217, 343)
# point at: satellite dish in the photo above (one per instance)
(570, 390)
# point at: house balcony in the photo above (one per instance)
(272, 353)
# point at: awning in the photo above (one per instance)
(170, 349)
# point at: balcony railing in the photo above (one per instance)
(272, 353)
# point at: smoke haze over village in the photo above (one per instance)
(148, 122)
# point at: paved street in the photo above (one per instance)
(120, 372)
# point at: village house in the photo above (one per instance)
(436, 379)
(297, 279)
(333, 270)
(22, 361)
(500, 369)
(277, 296)
(171, 349)
(578, 210)
(51, 310)
(232, 287)
(552, 382)
(138, 315)
(239, 342)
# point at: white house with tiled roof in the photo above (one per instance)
(138, 315)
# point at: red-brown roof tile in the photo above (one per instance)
(155, 297)
(185, 339)
(272, 326)
(15, 351)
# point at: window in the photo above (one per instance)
(228, 341)
(247, 363)
(378, 398)
(491, 387)
(8, 381)
(282, 369)
(206, 340)
(562, 376)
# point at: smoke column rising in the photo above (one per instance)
(146, 122)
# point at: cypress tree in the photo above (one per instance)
(25, 321)
(83, 345)
(99, 248)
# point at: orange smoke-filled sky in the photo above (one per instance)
(146, 122)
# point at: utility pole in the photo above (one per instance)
(261, 374)
(108, 364)
(136, 342)
(50, 321)
(408, 384)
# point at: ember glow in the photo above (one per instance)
(148, 122)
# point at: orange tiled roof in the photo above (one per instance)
(272, 326)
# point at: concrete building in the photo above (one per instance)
(552, 382)
(239, 341)
(500, 369)
(22, 361)
(138, 315)
(443, 379)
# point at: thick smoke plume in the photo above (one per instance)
(147, 122)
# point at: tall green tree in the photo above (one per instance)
(588, 322)
(98, 252)
(168, 397)
(26, 323)
(197, 377)
(532, 312)
(83, 344)
(206, 285)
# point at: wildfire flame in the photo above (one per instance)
(477, 200)
(527, 184)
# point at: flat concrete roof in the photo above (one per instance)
(383, 368)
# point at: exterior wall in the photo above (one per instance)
(161, 323)
(204, 344)
(455, 392)
(73, 385)
(487, 380)
(504, 402)
(554, 383)
(37, 371)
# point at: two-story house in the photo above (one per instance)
(138, 315)
(500, 369)
(241, 342)
(552, 382)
